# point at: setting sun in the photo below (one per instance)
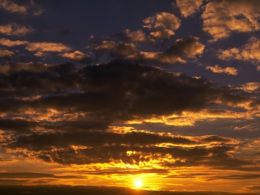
(138, 183)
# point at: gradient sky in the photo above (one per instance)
(106, 92)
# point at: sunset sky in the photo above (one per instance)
(147, 94)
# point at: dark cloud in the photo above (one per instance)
(104, 147)
(29, 175)
(106, 94)
(140, 90)
(238, 177)
(16, 125)
(43, 190)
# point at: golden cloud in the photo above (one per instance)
(75, 55)
(223, 70)
(23, 7)
(14, 29)
(222, 18)
(12, 43)
(180, 52)
(251, 87)
(135, 36)
(162, 25)
(248, 52)
(188, 7)
(40, 48)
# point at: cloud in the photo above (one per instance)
(9, 68)
(31, 175)
(251, 87)
(162, 25)
(135, 36)
(222, 18)
(14, 29)
(40, 48)
(223, 70)
(12, 43)
(254, 188)
(117, 49)
(180, 52)
(188, 7)
(23, 8)
(183, 49)
(132, 148)
(248, 52)
(75, 55)
(13, 7)
(62, 87)
(6, 53)
(65, 115)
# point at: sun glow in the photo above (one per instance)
(138, 183)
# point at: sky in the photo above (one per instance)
(147, 94)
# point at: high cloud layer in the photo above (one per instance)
(188, 7)
(248, 52)
(222, 18)
(162, 25)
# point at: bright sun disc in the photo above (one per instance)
(138, 183)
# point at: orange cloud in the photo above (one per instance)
(222, 18)
(182, 50)
(24, 7)
(13, 7)
(248, 52)
(12, 43)
(251, 87)
(188, 7)
(135, 36)
(14, 29)
(75, 55)
(220, 70)
(40, 48)
(162, 25)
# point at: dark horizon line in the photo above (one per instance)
(92, 190)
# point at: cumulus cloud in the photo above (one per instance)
(117, 49)
(12, 43)
(251, 87)
(135, 36)
(75, 55)
(40, 48)
(183, 49)
(23, 8)
(248, 52)
(180, 52)
(222, 18)
(13, 7)
(223, 70)
(14, 29)
(162, 25)
(188, 7)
